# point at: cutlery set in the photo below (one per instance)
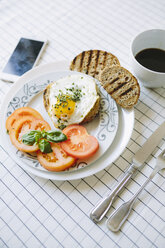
(117, 219)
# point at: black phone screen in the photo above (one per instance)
(23, 57)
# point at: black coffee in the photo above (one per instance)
(152, 58)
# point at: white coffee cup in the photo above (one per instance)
(154, 38)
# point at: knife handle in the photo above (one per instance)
(102, 207)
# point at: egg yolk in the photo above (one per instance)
(64, 109)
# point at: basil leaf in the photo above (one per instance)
(29, 138)
(43, 133)
(38, 136)
(55, 136)
(44, 146)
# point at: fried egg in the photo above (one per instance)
(71, 99)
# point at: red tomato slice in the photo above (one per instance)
(40, 125)
(57, 160)
(19, 113)
(79, 143)
(22, 126)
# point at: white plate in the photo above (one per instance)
(103, 127)
(125, 127)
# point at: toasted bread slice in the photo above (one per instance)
(92, 62)
(121, 85)
(46, 94)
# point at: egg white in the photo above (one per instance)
(87, 100)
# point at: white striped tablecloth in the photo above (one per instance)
(36, 212)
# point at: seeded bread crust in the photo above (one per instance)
(121, 85)
(89, 117)
(93, 112)
(92, 62)
(46, 94)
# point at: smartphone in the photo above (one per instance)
(24, 57)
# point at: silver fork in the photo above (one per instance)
(117, 219)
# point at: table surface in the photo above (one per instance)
(36, 212)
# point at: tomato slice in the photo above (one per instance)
(40, 125)
(19, 113)
(79, 143)
(58, 160)
(22, 126)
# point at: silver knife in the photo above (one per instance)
(100, 210)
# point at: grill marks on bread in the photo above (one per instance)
(82, 59)
(121, 85)
(116, 80)
(89, 60)
(92, 62)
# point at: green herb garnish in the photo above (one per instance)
(44, 146)
(43, 139)
(62, 126)
(55, 136)
(74, 95)
(30, 138)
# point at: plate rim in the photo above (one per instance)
(74, 175)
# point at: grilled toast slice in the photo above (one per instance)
(92, 62)
(121, 85)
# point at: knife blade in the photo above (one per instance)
(102, 207)
(143, 153)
